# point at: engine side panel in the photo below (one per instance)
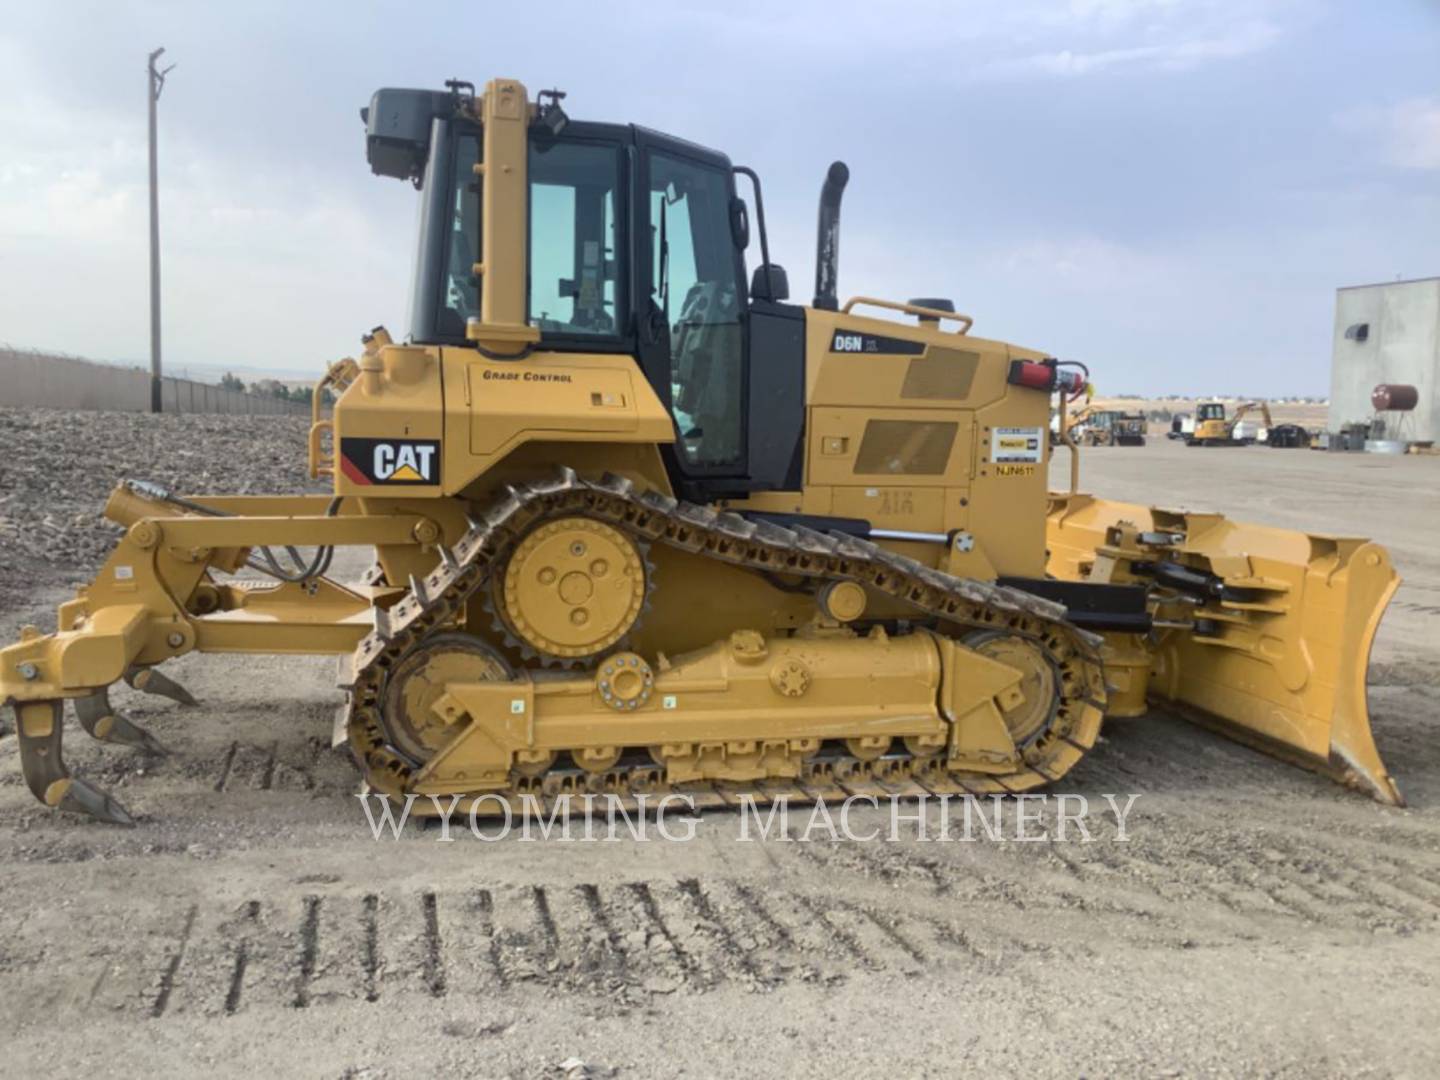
(915, 428)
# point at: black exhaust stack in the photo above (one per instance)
(827, 240)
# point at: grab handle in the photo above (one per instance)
(911, 309)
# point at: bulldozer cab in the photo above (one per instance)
(634, 243)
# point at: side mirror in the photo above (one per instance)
(774, 285)
(739, 222)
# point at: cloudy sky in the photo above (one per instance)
(1167, 190)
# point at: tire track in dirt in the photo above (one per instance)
(319, 948)
(693, 936)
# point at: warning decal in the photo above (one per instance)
(1017, 444)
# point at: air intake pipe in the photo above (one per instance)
(827, 240)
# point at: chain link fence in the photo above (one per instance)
(33, 379)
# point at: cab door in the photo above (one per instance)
(730, 367)
(692, 322)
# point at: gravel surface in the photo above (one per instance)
(57, 468)
(1259, 919)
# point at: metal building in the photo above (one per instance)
(1387, 333)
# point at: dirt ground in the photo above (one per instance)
(1259, 919)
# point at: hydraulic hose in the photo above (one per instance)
(267, 563)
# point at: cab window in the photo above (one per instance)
(574, 271)
(695, 282)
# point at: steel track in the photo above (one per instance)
(438, 601)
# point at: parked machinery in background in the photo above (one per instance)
(1109, 427)
(1288, 437)
(1214, 428)
(1128, 429)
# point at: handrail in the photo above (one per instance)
(1067, 437)
(339, 375)
(321, 463)
(911, 309)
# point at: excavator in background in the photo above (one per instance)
(642, 524)
(1214, 428)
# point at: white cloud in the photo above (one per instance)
(1063, 37)
(1119, 10)
(261, 265)
(1406, 133)
(279, 248)
(1173, 52)
(1083, 264)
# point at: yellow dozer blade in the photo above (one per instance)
(1263, 634)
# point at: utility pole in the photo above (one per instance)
(155, 82)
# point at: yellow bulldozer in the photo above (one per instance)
(640, 524)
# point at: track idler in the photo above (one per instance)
(39, 726)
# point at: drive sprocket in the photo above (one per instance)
(572, 588)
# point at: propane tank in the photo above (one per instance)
(1394, 397)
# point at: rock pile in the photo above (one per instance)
(58, 467)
